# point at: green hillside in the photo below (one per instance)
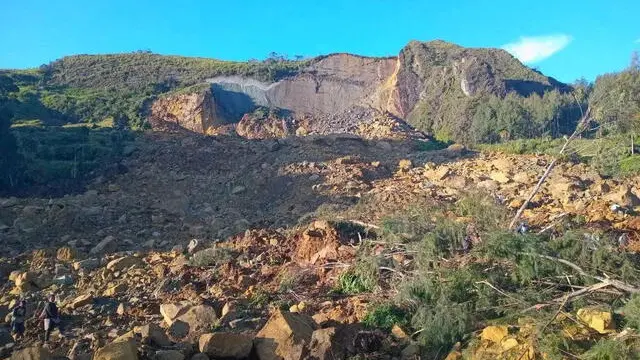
(94, 88)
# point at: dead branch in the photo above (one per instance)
(570, 296)
(363, 224)
(615, 283)
(581, 127)
(554, 223)
(500, 291)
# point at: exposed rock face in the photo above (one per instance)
(340, 92)
(195, 112)
(330, 84)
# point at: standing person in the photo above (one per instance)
(51, 317)
(17, 319)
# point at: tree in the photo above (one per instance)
(9, 158)
(635, 61)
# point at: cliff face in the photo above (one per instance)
(329, 85)
(427, 85)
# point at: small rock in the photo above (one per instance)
(194, 245)
(115, 290)
(66, 254)
(169, 355)
(108, 244)
(81, 301)
(405, 165)
(121, 309)
(238, 190)
(88, 264)
(200, 356)
(63, 280)
(123, 263)
(499, 177)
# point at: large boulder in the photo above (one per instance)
(198, 318)
(226, 345)
(152, 334)
(120, 350)
(285, 335)
(32, 353)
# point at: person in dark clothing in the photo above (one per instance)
(51, 317)
(18, 315)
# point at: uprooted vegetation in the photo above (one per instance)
(455, 270)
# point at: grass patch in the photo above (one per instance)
(211, 257)
(360, 278)
(385, 316)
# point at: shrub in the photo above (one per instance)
(609, 349)
(360, 278)
(631, 312)
(385, 316)
(211, 257)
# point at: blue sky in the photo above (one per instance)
(565, 39)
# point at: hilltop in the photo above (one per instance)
(435, 87)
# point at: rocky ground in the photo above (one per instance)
(220, 247)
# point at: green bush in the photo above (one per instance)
(361, 278)
(609, 349)
(631, 312)
(385, 316)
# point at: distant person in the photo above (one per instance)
(18, 315)
(51, 317)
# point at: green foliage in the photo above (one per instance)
(508, 100)
(610, 155)
(259, 298)
(211, 257)
(430, 145)
(91, 88)
(385, 316)
(631, 312)
(615, 102)
(10, 160)
(610, 349)
(449, 291)
(360, 278)
(630, 165)
(56, 160)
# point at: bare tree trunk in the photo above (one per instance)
(580, 128)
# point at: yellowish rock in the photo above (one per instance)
(494, 333)
(597, 319)
(509, 343)
(115, 289)
(500, 177)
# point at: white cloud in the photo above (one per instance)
(637, 41)
(537, 48)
